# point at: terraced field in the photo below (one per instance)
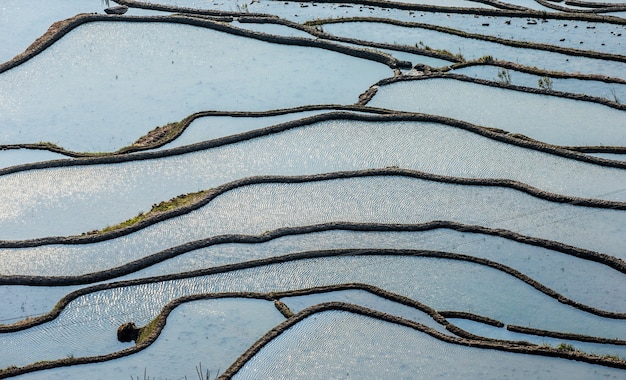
(313, 189)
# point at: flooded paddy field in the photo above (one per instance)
(303, 189)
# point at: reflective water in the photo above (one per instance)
(545, 118)
(210, 333)
(119, 80)
(465, 287)
(23, 21)
(611, 91)
(213, 127)
(337, 347)
(482, 329)
(88, 95)
(474, 49)
(13, 157)
(364, 299)
(72, 200)
(602, 287)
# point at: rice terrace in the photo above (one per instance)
(334, 189)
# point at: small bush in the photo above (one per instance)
(545, 83)
(565, 347)
(504, 76)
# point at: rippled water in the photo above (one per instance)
(94, 196)
(546, 118)
(85, 95)
(576, 86)
(513, 302)
(320, 194)
(474, 49)
(335, 335)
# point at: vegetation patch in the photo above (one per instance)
(156, 137)
(545, 83)
(157, 209)
(565, 347)
(146, 331)
(457, 57)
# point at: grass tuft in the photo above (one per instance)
(145, 331)
(504, 76)
(172, 204)
(565, 347)
(545, 83)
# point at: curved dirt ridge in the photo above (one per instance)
(176, 129)
(530, 90)
(377, 115)
(341, 113)
(464, 337)
(501, 9)
(593, 8)
(70, 297)
(66, 26)
(476, 36)
(158, 257)
(59, 29)
(211, 194)
(340, 306)
(309, 27)
(537, 71)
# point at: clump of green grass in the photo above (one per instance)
(145, 331)
(504, 76)
(458, 56)
(127, 223)
(158, 135)
(49, 145)
(565, 347)
(486, 59)
(545, 83)
(201, 376)
(174, 203)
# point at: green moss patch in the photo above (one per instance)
(163, 207)
(156, 137)
(146, 331)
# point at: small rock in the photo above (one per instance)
(118, 10)
(127, 332)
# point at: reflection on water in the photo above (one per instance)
(106, 83)
(86, 95)
(72, 200)
(546, 118)
(336, 346)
